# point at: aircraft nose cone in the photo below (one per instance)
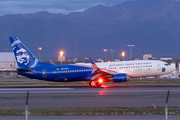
(172, 68)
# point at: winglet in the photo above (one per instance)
(94, 66)
(51, 62)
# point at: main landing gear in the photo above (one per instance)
(98, 84)
(92, 83)
(95, 83)
(159, 80)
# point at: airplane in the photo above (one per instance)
(31, 67)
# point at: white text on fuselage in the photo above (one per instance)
(146, 63)
(64, 68)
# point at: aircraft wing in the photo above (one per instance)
(108, 71)
(100, 73)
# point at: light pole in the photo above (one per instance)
(6, 56)
(123, 54)
(130, 46)
(105, 50)
(40, 48)
(112, 51)
(76, 52)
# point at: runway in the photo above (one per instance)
(108, 89)
(85, 96)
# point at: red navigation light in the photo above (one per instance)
(100, 80)
(109, 61)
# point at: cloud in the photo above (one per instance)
(53, 6)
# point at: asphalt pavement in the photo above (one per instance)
(92, 118)
(85, 96)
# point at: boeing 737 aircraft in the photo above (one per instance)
(31, 67)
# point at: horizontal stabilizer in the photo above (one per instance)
(23, 70)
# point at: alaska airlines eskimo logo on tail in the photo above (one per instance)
(25, 59)
(22, 56)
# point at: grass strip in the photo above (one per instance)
(91, 111)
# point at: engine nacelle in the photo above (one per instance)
(121, 77)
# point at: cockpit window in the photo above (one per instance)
(166, 64)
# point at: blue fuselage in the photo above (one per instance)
(60, 73)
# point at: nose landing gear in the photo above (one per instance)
(159, 80)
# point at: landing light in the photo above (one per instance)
(100, 80)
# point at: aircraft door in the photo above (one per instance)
(159, 66)
(44, 73)
(148, 72)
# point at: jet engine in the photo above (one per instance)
(121, 77)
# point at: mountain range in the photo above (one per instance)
(153, 26)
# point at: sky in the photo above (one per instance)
(52, 6)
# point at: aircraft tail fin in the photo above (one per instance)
(24, 58)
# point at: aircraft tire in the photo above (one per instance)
(98, 84)
(159, 80)
(92, 83)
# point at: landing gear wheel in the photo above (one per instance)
(159, 80)
(92, 83)
(98, 84)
